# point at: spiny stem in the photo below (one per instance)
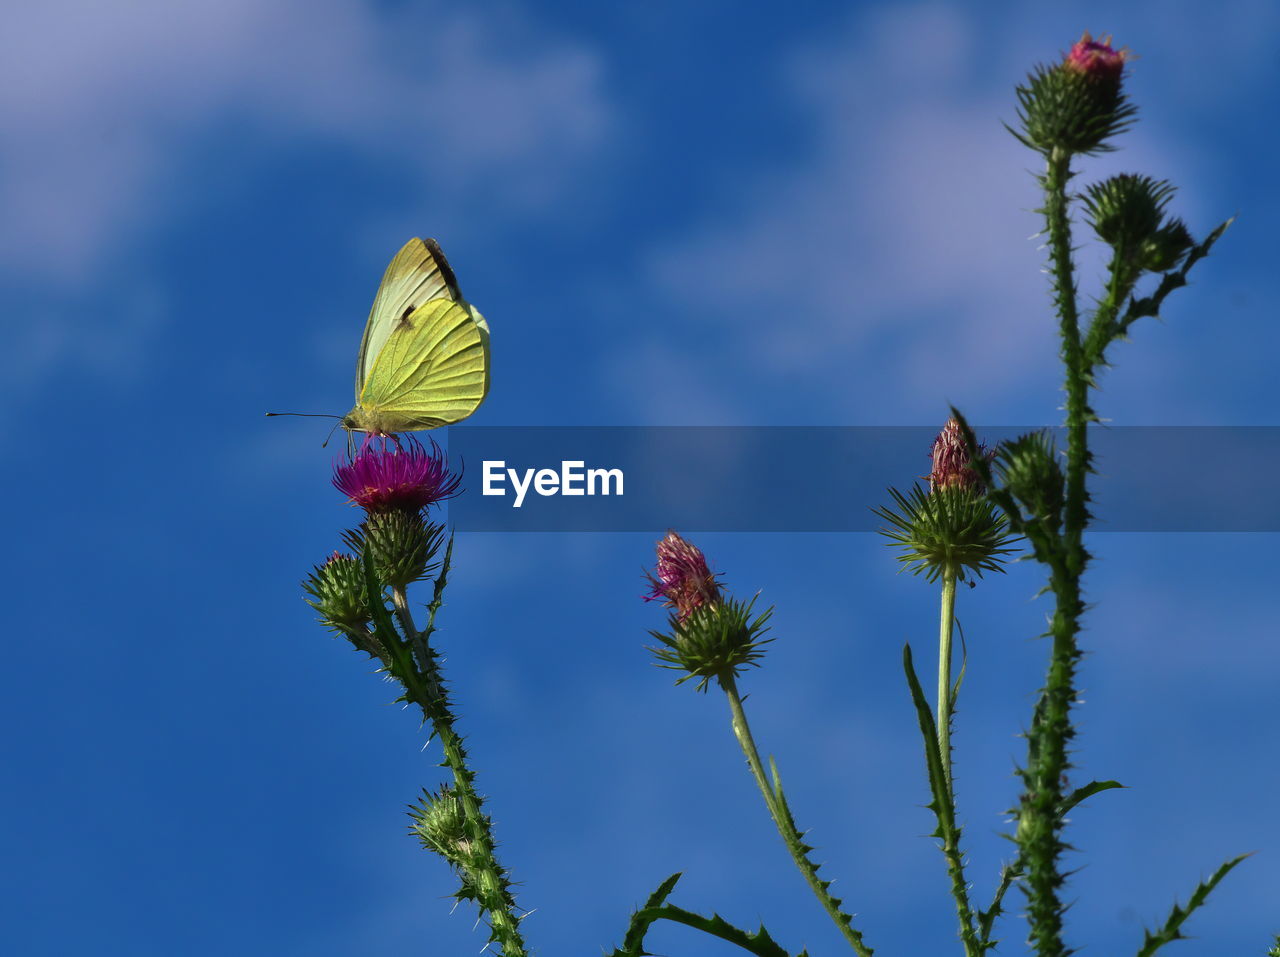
(945, 628)
(419, 672)
(785, 824)
(1040, 820)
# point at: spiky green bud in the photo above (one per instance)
(440, 823)
(1030, 471)
(1126, 210)
(337, 591)
(713, 641)
(403, 546)
(1165, 249)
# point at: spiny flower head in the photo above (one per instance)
(951, 528)
(401, 475)
(951, 461)
(1096, 59)
(1077, 104)
(682, 579)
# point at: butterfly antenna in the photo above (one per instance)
(316, 415)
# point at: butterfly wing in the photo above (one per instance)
(432, 369)
(418, 274)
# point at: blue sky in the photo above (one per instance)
(694, 214)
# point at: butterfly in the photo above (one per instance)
(424, 357)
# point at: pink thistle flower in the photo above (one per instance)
(386, 477)
(682, 579)
(951, 460)
(1096, 59)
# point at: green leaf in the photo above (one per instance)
(1150, 305)
(1090, 789)
(1172, 929)
(633, 942)
(656, 908)
(760, 943)
(1008, 874)
(943, 806)
(933, 760)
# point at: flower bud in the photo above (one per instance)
(1127, 209)
(338, 590)
(1078, 104)
(952, 527)
(1030, 471)
(440, 823)
(1165, 248)
(681, 579)
(401, 545)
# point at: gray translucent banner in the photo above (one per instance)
(826, 479)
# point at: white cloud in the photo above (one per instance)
(102, 104)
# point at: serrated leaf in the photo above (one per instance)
(1172, 929)
(633, 941)
(761, 943)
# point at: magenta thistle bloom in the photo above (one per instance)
(1095, 58)
(398, 476)
(682, 579)
(951, 460)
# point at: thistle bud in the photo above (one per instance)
(338, 590)
(682, 579)
(951, 528)
(1076, 105)
(1127, 209)
(401, 544)
(711, 635)
(440, 823)
(1030, 471)
(1165, 248)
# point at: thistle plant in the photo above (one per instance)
(363, 596)
(1073, 109)
(943, 532)
(710, 635)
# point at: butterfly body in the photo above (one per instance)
(424, 357)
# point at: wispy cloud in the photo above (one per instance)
(896, 255)
(103, 106)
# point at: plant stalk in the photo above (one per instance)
(425, 685)
(782, 819)
(946, 626)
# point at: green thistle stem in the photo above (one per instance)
(1040, 817)
(945, 628)
(1103, 327)
(425, 686)
(782, 819)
